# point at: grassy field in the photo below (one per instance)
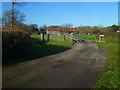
(110, 78)
(52, 37)
(46, 48)
(89, 37)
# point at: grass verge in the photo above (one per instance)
(110, 78)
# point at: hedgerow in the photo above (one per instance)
(15, 44)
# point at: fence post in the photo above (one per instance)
(96, 40)
(48, 37)
(101, 38)
(42, 37)
(71, 37)
(64, 37)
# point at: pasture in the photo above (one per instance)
(46, 48)
(88, 37)
(52, 37)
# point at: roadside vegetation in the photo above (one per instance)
(15, 44)
(46, 48)
(36, 50)
(110, 79)
(89, 37)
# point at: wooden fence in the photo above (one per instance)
(50, 37)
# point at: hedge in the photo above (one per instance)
(15, 44)
(110, 37)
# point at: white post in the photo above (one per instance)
(42, 37)
(100, 37)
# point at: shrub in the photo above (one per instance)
(110, 37)
(15, 44)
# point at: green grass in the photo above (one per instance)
(110, 78)
(46, 48)
(88, 37)
(36, 41)
(52, 37)
(35, 36)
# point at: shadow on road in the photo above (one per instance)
(40, 49)
(79, 67)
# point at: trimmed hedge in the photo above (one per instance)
(15, 44)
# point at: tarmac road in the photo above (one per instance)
(79, 67)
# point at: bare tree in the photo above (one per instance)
(43, 28)
(67, 25)
(63, 30)
(13, 12)
(18, 18)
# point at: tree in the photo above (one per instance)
(63, 30)
(12, 13)
(95, 31)
(114, 28)
(31, 28)
(6, 18)
(67, 25)
(18, 19)
(43, 28)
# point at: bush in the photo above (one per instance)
(109, 37)
(15, 44)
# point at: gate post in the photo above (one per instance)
(42, 37)
(64, 37)
(48, 37)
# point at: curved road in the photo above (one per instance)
(79, 67)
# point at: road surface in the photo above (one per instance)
(79, 67)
